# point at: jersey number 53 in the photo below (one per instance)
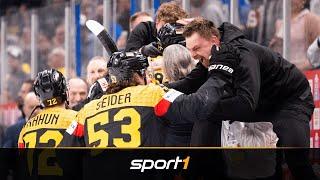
(102, 136)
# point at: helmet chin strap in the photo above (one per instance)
(34, 109)
(66, 105)
(145, 80)
(67, 98)
(142, 74)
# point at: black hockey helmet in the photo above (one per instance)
(171, 33)
(51, 87)
(122, 65)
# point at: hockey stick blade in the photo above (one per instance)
(98, 30)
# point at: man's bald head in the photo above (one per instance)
(78, 91)
(96, 69)
(30, 102)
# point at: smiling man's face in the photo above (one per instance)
(200, 47)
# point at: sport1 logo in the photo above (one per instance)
(147, 164)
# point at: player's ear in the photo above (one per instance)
(215, 40)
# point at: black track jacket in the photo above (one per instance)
(264, 82)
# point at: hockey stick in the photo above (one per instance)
(98, 30)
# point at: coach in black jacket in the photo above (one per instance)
(266, 88)
(144, 35)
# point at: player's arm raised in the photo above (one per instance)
(180, 108)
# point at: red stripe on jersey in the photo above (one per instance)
(79, 130)
(20, 145)
(162, 107)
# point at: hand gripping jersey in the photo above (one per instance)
(46, 129)
(137, 116)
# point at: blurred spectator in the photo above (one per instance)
(58, 39)
(88, 9)
(89, 44)
(26, 37)
(12, 134)
(51, 16)
(261, 18)
(122, 40)
(244, 8)
(44, 47)
(25, 88)
(90, 47)
(177, 62)
(305, 27)
(241, 13)
(12, 39)
(25, 44)
(25, 15)
(30, 102)
(13, 21)
(16, 76)
(135, 19)
(212, 10)
(17, 19)
(56, 59)
(314, 53)
(78, 91)
(123, 12)
(255, 3)
(315, 6)
(99, 13)
(96, 69)
(139, 17)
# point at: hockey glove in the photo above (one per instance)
(151, 50)
(171, 34)
(98, 88)
(224, 61)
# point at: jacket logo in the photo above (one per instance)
(222, 67)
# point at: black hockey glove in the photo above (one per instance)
(224, 61)
(151, 50)
(171, 34)
(98, 88)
